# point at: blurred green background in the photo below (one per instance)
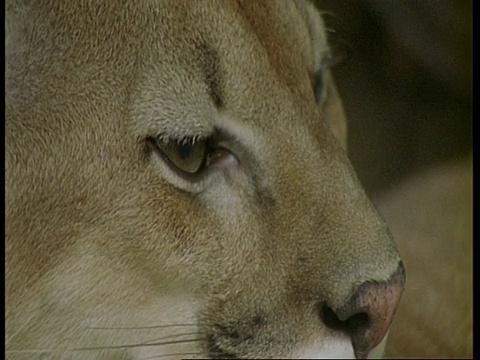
(406, 83)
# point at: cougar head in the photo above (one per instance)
(177, 184)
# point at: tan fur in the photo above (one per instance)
(431, 217)
(108, 252)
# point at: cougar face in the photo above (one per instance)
(177, 185)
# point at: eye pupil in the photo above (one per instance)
(184, 151)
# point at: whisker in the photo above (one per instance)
(325, 13)
(33, 351)
(129, 346)
(152, 342)
(167, 355)
(19, 330)
(168, 337)
(138, 327)
(330, 30)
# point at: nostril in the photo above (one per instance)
(355, 324)
(367, 314)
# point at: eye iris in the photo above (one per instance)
(186, 155)
(184, 151)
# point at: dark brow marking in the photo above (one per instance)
(208, 61)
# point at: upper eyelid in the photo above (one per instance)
(191, 127)
(183, 139)
(226, 131)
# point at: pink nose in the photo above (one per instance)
(367, 315)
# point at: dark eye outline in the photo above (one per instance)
(318, 85)
(212, 154)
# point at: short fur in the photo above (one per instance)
(110, 254)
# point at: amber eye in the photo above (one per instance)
(187, 155)
(190, 156)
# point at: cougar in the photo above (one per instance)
(177, 186)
